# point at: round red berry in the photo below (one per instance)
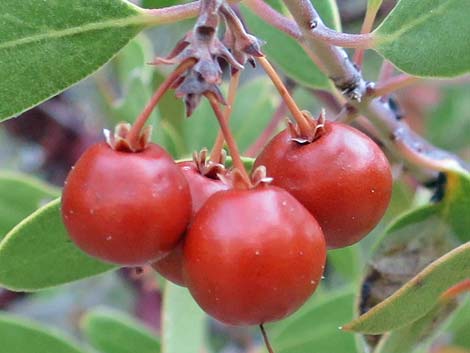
(201, 187)
(126, 208)
(253, 256)
(342, 178)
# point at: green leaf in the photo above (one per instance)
(253, 110)
(314, 328)
(418, 296)
(133, 60)
(21, 336)
(347, 261)
(21, 195)
(441, 29)
(456, 203)
(447, 116)
(47, 46)
(153, 4)
(183, 324)
(409, 337)
(38, 253)
(458, 325)
(111, 331)
(297, 64)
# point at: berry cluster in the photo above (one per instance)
(250, 249)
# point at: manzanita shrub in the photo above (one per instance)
(340, 229)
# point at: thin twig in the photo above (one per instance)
(319, 30)
(394, 84)
(395, 134)
(274, 18)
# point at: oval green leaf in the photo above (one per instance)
(47, 46)
(314, 328)
(20, 196)
(183, 322)
(418, 296)
(38, 254)
(21, 336)
(111, 331)
(426, 38)
(407, 338)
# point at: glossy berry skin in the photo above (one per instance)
(342, 178)
(253, 256)
(201, 187)
(126, 208)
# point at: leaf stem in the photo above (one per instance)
(304, 125)
(134, 133)
(232, 93)
(232, 145)
(394, 84)
(266, 339)
(369, 19)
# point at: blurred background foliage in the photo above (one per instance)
(48, 139)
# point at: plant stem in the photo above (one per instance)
(268, 132)
(175, 13)
(232, 145)
(274, 18)
(371, 14)
(304, 125)
(403, 143)
(394, 84)
(134, 133)
(266, 339)
(232, 93)
(319, 30)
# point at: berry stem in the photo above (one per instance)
(266, 339)
(305, 126)
(135, 132)
(232, 93)
(232, 145)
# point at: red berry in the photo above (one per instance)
(342, 178)
(253, 256)
(126, 208)
(201, 187)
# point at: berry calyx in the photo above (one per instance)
(126, 208)
(202, 176)
(253, 256)
(342, 177)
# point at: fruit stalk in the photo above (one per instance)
(305, 126)
(232, 145)
(134, 133)
(232, 93)
(266, 339)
